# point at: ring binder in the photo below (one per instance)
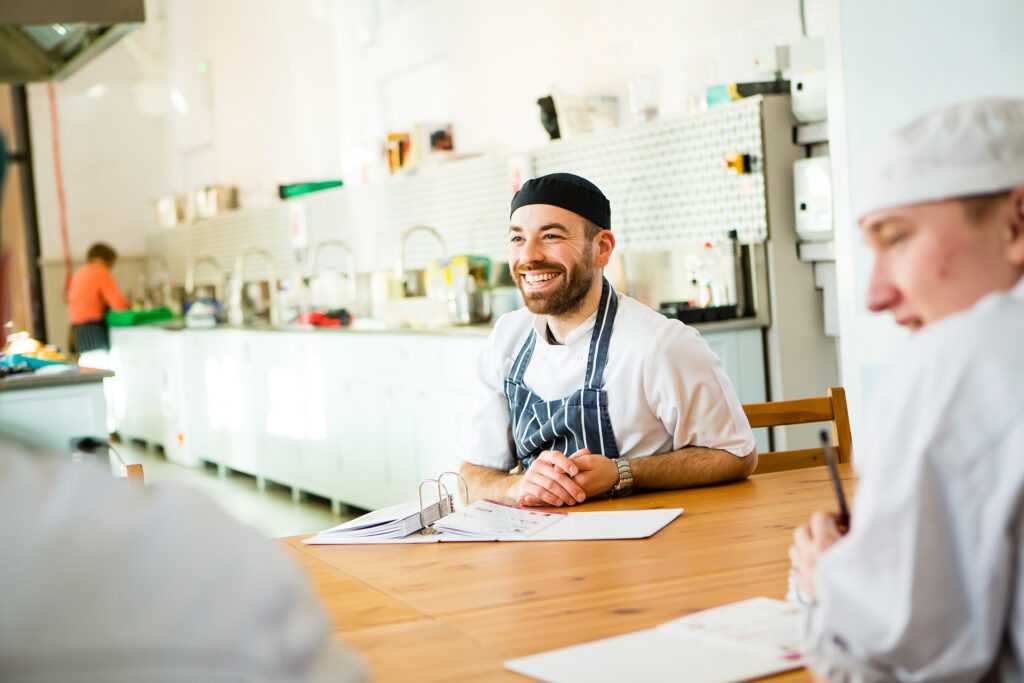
(445, 504)
(424, 521)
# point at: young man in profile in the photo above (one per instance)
(929, 582)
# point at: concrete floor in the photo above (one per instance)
(272, 512)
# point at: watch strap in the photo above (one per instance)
(624, 486)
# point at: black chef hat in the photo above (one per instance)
(568, 191)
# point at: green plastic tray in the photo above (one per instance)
(129, 318)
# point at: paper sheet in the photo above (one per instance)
(763, 624)
(596, 526)
(732, 643)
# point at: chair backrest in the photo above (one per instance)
(132, 471)
(830, 408)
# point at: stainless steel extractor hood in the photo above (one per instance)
(51, 39)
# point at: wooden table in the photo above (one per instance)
(456, 611)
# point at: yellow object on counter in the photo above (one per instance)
(22, 344)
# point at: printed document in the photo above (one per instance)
(737, 642)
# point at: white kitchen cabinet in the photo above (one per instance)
(225, 367)
(195, 423)
(742, 356)
(390, 415)
(276, 418)
(359, 418)
(363, 392)
(448, 414)
(174, 399)
(137, 361)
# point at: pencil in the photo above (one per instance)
(833, 470)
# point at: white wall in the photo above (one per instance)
(482, 65)
(265, 111)
(111, 157)
(889, 63)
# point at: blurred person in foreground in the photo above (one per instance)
(928, 584)
(110, 581)
(92, 292)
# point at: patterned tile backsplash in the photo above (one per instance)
(666, 182)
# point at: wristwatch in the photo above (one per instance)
(624, 486)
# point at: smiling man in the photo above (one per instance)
(586, 391)
(929, 582)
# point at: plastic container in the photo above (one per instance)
(143, 317)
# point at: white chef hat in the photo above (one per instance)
(970, 148)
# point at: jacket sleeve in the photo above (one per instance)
(111, 293)
(687, 388)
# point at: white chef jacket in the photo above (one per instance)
(666, 388)
(929, 583)
(106, 581)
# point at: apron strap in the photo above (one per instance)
(523, 358)
(601, 337)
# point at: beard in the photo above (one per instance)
(578, 279)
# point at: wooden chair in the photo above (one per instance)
(831, 408)
(132, 471)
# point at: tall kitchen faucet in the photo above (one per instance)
(409, 232)
(314, 268)
(193, 268)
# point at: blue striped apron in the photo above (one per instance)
(580, 420)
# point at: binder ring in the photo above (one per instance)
(445, 502)
(460, 483)
(426, 529)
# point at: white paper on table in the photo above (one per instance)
(736, 642)
(513, 524)
(763, 624)
(598, 526)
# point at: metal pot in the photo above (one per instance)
(171, 210)
(214, 199)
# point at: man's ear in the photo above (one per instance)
(1015, 228)
(605, 247)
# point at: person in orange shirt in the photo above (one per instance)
(93, 290)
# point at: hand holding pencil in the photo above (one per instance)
(812, 540)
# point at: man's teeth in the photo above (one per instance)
(533, 278)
